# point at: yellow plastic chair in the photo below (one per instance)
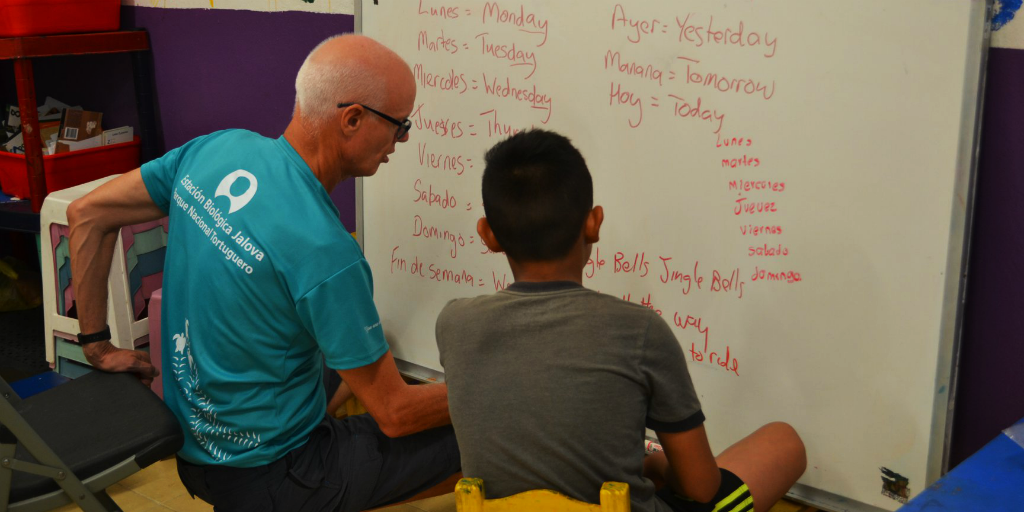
(469, 497)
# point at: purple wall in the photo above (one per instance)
(216, 69)
(990, 395)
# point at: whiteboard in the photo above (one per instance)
(788, 183)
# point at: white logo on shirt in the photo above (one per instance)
(224, 189)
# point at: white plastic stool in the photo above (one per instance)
(125, 330)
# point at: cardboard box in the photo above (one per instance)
(78, 125)
(65, 146)
(48, 130)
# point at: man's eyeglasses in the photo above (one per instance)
(403, 126)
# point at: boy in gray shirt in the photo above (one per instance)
(550, 385)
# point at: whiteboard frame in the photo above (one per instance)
(967, 155)
(955, 289)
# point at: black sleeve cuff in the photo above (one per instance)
(695, 420)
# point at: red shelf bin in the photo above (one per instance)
(69, 169)
(19, 18)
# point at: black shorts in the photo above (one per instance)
(347, 464)
(732, 496)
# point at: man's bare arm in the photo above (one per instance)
(94, 222)
(399, 408)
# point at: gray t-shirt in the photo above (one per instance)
(550, 386)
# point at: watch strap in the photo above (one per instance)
(85, 339)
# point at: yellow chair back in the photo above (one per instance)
(469, 497)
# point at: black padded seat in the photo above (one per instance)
(94, 423)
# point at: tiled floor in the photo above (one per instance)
(157, 489)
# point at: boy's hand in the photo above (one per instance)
(106, 357)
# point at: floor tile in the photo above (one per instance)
(160, 490)
(185, 503)
(129, 500)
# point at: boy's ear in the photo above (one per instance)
(592, 228)
(483, 228)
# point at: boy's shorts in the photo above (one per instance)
(732, 496)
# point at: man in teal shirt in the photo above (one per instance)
(260, 279)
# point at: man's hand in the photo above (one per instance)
(106, 357)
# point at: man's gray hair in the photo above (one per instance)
(323, 83)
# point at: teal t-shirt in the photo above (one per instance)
(260, 278)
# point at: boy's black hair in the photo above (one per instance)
(537, 192)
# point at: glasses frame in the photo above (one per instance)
(403, 126)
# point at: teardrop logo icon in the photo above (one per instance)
(237, 202)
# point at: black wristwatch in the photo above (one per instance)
(85, 339)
